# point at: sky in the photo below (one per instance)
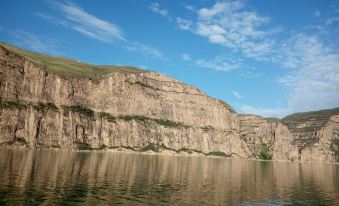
(270, 58)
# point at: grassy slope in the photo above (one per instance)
(272, 119)
(69, 67)
(317, 119)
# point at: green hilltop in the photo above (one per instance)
(68, 67)
(316, 119)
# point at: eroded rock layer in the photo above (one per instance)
(139, 110)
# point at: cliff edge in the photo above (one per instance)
(60, 103)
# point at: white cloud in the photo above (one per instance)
(250, 72)
(219, 7)
(74, 17)
(219, 63)
(156, 8)
(145, 50)
(313, 79)
(332, 20)
(89, 24)
(186, 57)
(314, 82)
(236, 94)
(316, 13)
(189, 7)
(233, 25)
(184, 24)
(51, 19)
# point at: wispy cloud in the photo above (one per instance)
(316, 13)
(332, 20)
(184, 24)
(314, 82)
(236, 94)
(189, 7)
(81, 21)
(51, 19)
(250, 72)
(146, 50)
(313, 79)
(34, 42)
(76, 18)
(156, 8)
(186, 57)
(218, 63)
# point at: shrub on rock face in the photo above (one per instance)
(81, 110)
(264, 154)
(167, 123)
(217, 153)
(83, 146)
(17, 140)
(151, 147)
(187, 150)
(107, 116)
(102, 147)
(46, 106)
(21, 140)
(133, 117)
(10, 104)
(335, 147)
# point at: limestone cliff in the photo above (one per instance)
(316, 134)
(59, 103)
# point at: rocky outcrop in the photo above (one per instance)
(266, 140)
(316, 134)
(45, 105)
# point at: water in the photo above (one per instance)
(84, 178)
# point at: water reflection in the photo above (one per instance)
(71, 178)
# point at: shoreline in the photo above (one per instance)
(162, 152)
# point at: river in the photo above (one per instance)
(57, 177)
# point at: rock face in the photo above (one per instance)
(42, 106)
(316, 134)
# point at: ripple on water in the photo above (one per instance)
(67, 178)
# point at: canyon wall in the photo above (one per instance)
(140, 111)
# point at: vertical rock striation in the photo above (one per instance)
(60, 103)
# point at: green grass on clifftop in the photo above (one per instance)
(68, 67)
(315, 120)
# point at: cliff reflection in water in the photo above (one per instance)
(59, 177)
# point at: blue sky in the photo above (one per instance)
(270, 58)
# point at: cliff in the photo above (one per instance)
(60, 103)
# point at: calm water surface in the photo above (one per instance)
(84, 178)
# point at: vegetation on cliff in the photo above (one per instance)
(335, 147)
(264, 153)
(68, 67)
(12, 104)
(81, 110)
(46, 106)
(157, 148)
(315, 120)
